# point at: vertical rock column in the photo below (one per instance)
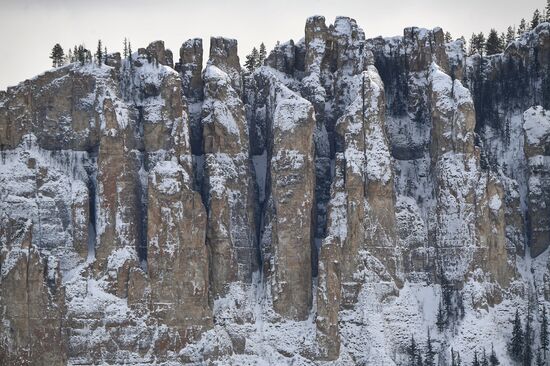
(330, 261)
(177, 254)
(228, 181)
(31, 302)
(537, 143)
(118, 201)
(469, 227)
(190, 68)
(292, 184)
(368, 184)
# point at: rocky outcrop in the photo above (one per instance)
(190, 69)
(176, 223)
(291, 186)
(504, 87)
(323, 208)
(161, 55)
(537, 132)
(229, 188)
(31, 300)
(223, 54)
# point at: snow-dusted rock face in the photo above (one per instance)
(318, 210)
(190, 69)
(291, 187)
(504, 87)
(228, 182)
(177, 262)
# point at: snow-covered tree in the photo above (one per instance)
(527, 341)
(448, 37)
(522, 27)
(544, 331)
(538, 360)
(510, 35)
(515, 346)
(252, 60)
(441, 321)
(475, 361)
(536, 19)
(430, 352)
(484, 359)
(125, 52)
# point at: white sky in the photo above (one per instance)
(29, 28)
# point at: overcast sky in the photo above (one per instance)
(29, 28)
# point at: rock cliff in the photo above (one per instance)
(320, 210)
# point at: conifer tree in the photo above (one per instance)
(527, 341)
(471, 43)
(544, 331)
(441, 321)
(99, 53)
(57, 55)
(477, 43)
(430, 353)
(262, 55)
(81, 55)
(70, 57)
(522, 27)
(250, 63)
(484, 359)
(125, 52)
(463, 40)
(536, 19)
(515, 346)
(412, 351)
(475, 361)
(493, 44)
(538, 360)
(130, 61)
(510, 35)
(493, 360)
(448, 37)
(547, 19)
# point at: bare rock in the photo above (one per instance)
(176, 229)
(230, 191)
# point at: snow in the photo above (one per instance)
(168, 177)
(495, 203)
(223, 109)
(291, 110)
(536, 125)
